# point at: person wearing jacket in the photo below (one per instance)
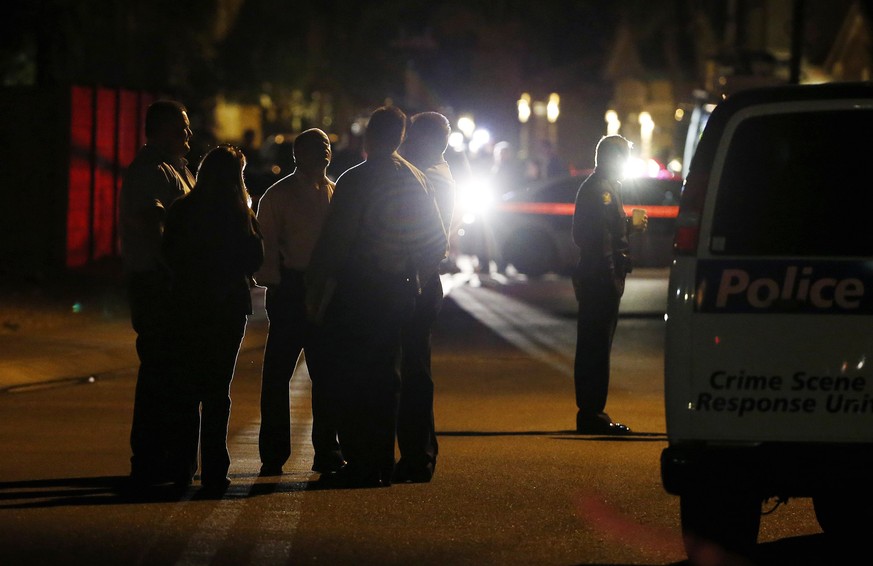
(425, 146)
(213, 246)
(383, 236)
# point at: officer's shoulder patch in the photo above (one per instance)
(607, 197)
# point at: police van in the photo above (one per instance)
(769, 331)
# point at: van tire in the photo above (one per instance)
(722, 518)
(844, 514)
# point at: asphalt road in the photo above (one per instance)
(514, 483)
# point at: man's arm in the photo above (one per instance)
(334, 244)
(269, 274)
(589, 223)
(435, 242)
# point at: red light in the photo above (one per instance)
(79, 180)
(690, 209)
(685, 239)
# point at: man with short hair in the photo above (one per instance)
(600, 231)
(425, 147)
(291, 214)
(157, 176)
(382, 237)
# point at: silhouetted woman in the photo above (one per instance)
(213, 246)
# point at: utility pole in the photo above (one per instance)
(797, 19)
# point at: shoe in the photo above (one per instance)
(348, 478)
(215, 487)
(143, 481)
(601, 424)
(268, 470)
(328, 463)
(405, 473)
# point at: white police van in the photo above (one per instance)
(769, 353)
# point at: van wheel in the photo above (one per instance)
(531, 252)
(844, 514)
(725, 522)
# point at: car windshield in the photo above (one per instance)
(634, 191)
(651, 191)
(797, 184)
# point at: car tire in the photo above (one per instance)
(530, 252)
(719, 522)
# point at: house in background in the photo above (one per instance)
(751, 45)
(66, 150)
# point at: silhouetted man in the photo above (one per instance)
(425, 146)
(157, 176)
(381, 238)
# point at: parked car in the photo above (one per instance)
(531, 228)
(768, 381)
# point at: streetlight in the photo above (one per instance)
(466, 125)
(524, 113)
(479, 139)
(552, 111)
(613, 124)
(553, 108)
(524, 108)
(647, 126)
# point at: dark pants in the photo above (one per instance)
(362, 327)
(416, 436)
(598, 317)
(153, 436)
(289, 334)
(209, 351)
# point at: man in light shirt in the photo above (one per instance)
(291, 214)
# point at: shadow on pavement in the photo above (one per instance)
(117, 490)
(633, 436)
(98, 490)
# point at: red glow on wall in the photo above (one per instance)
(79, 188)
(105, 133)
(105, 171)
(131, 117)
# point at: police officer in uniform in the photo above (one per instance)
(600, 230)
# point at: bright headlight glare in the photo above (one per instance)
(475, 197)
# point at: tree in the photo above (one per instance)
(162, 45)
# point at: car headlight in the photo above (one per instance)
(475, 198)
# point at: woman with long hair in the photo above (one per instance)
(213, 246)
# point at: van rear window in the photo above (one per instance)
(797, 184)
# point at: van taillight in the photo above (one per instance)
(690, 210)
